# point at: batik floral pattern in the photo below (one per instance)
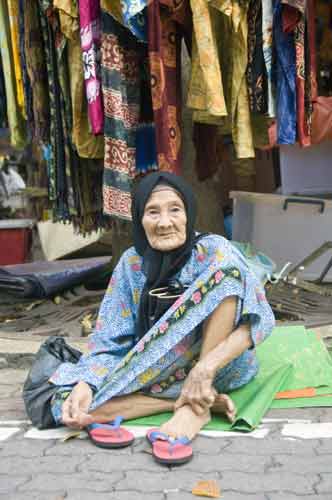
(119, 362)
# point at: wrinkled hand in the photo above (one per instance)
(75, 408)
(198, 390)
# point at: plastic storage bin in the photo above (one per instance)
(15, 240)
(286, 228)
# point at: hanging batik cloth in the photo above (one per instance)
(3, 101)
(293, 15)
(13, 11)
(256, 69)
(91, 42)
(36, 72)
(86, 144)
(167, 21)
(28, 111)
(285, 78)
(206, 93)
(311, 40)
(127, 106)
(267, 33)
(16, 122)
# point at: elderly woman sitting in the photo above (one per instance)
(187, 360)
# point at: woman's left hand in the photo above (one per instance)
(198, 391)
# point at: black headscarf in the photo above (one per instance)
(160, 267)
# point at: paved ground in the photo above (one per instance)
(272, 468)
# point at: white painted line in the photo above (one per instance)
(7, 432)
(308, 431)
(58, 433)
(138, 432)
(257, 433)
(4, 423)
(288, 420)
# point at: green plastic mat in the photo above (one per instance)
(291, 358)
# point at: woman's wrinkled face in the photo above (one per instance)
(165, 220)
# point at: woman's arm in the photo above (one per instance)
(221, 344)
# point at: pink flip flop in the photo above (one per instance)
(169, 451)
(110, 435)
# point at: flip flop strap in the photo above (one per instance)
(156, 435)
(114, 424)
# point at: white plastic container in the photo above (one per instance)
(286, 228)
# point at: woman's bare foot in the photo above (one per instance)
(185, 423)
(224, 404)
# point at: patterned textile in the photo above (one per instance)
(91, 41)
(87, 145)
(256, 70)
(267, 22)
(16, 122)
(124, 63)
(311, 40)
(146, 152)
(37, 72)
(165, 29)
(206, 93)
(113, 7)
(294, 22)
(285, 79)
(28, 111)
(118, 363)
(62, 160)
(134, 18)
(3, 101)
(233, 47)
(13, 11)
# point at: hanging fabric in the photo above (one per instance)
(293, 15)
(256, 69)
(167, 22)
(86, 144)
(267, 30)
(3, 101)
(90, 13)
(285, 78)
(28, 110)
(206, 93)
(16, 122)
(233, 48)
(13, 12)
(122, 58)
(37, 72)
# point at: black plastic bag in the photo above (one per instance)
(37, 391)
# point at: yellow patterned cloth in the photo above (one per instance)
(14, 111)
(113, 7)
(87, 144)
(218, 88)
(234, 37)
(13, 12)
(206, 93)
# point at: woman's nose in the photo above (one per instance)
(164, 220)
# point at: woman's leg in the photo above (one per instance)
(216, 328)
(131, 406)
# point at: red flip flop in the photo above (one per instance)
(110, 435)
(168, 451)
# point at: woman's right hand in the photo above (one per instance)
(76, 407)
